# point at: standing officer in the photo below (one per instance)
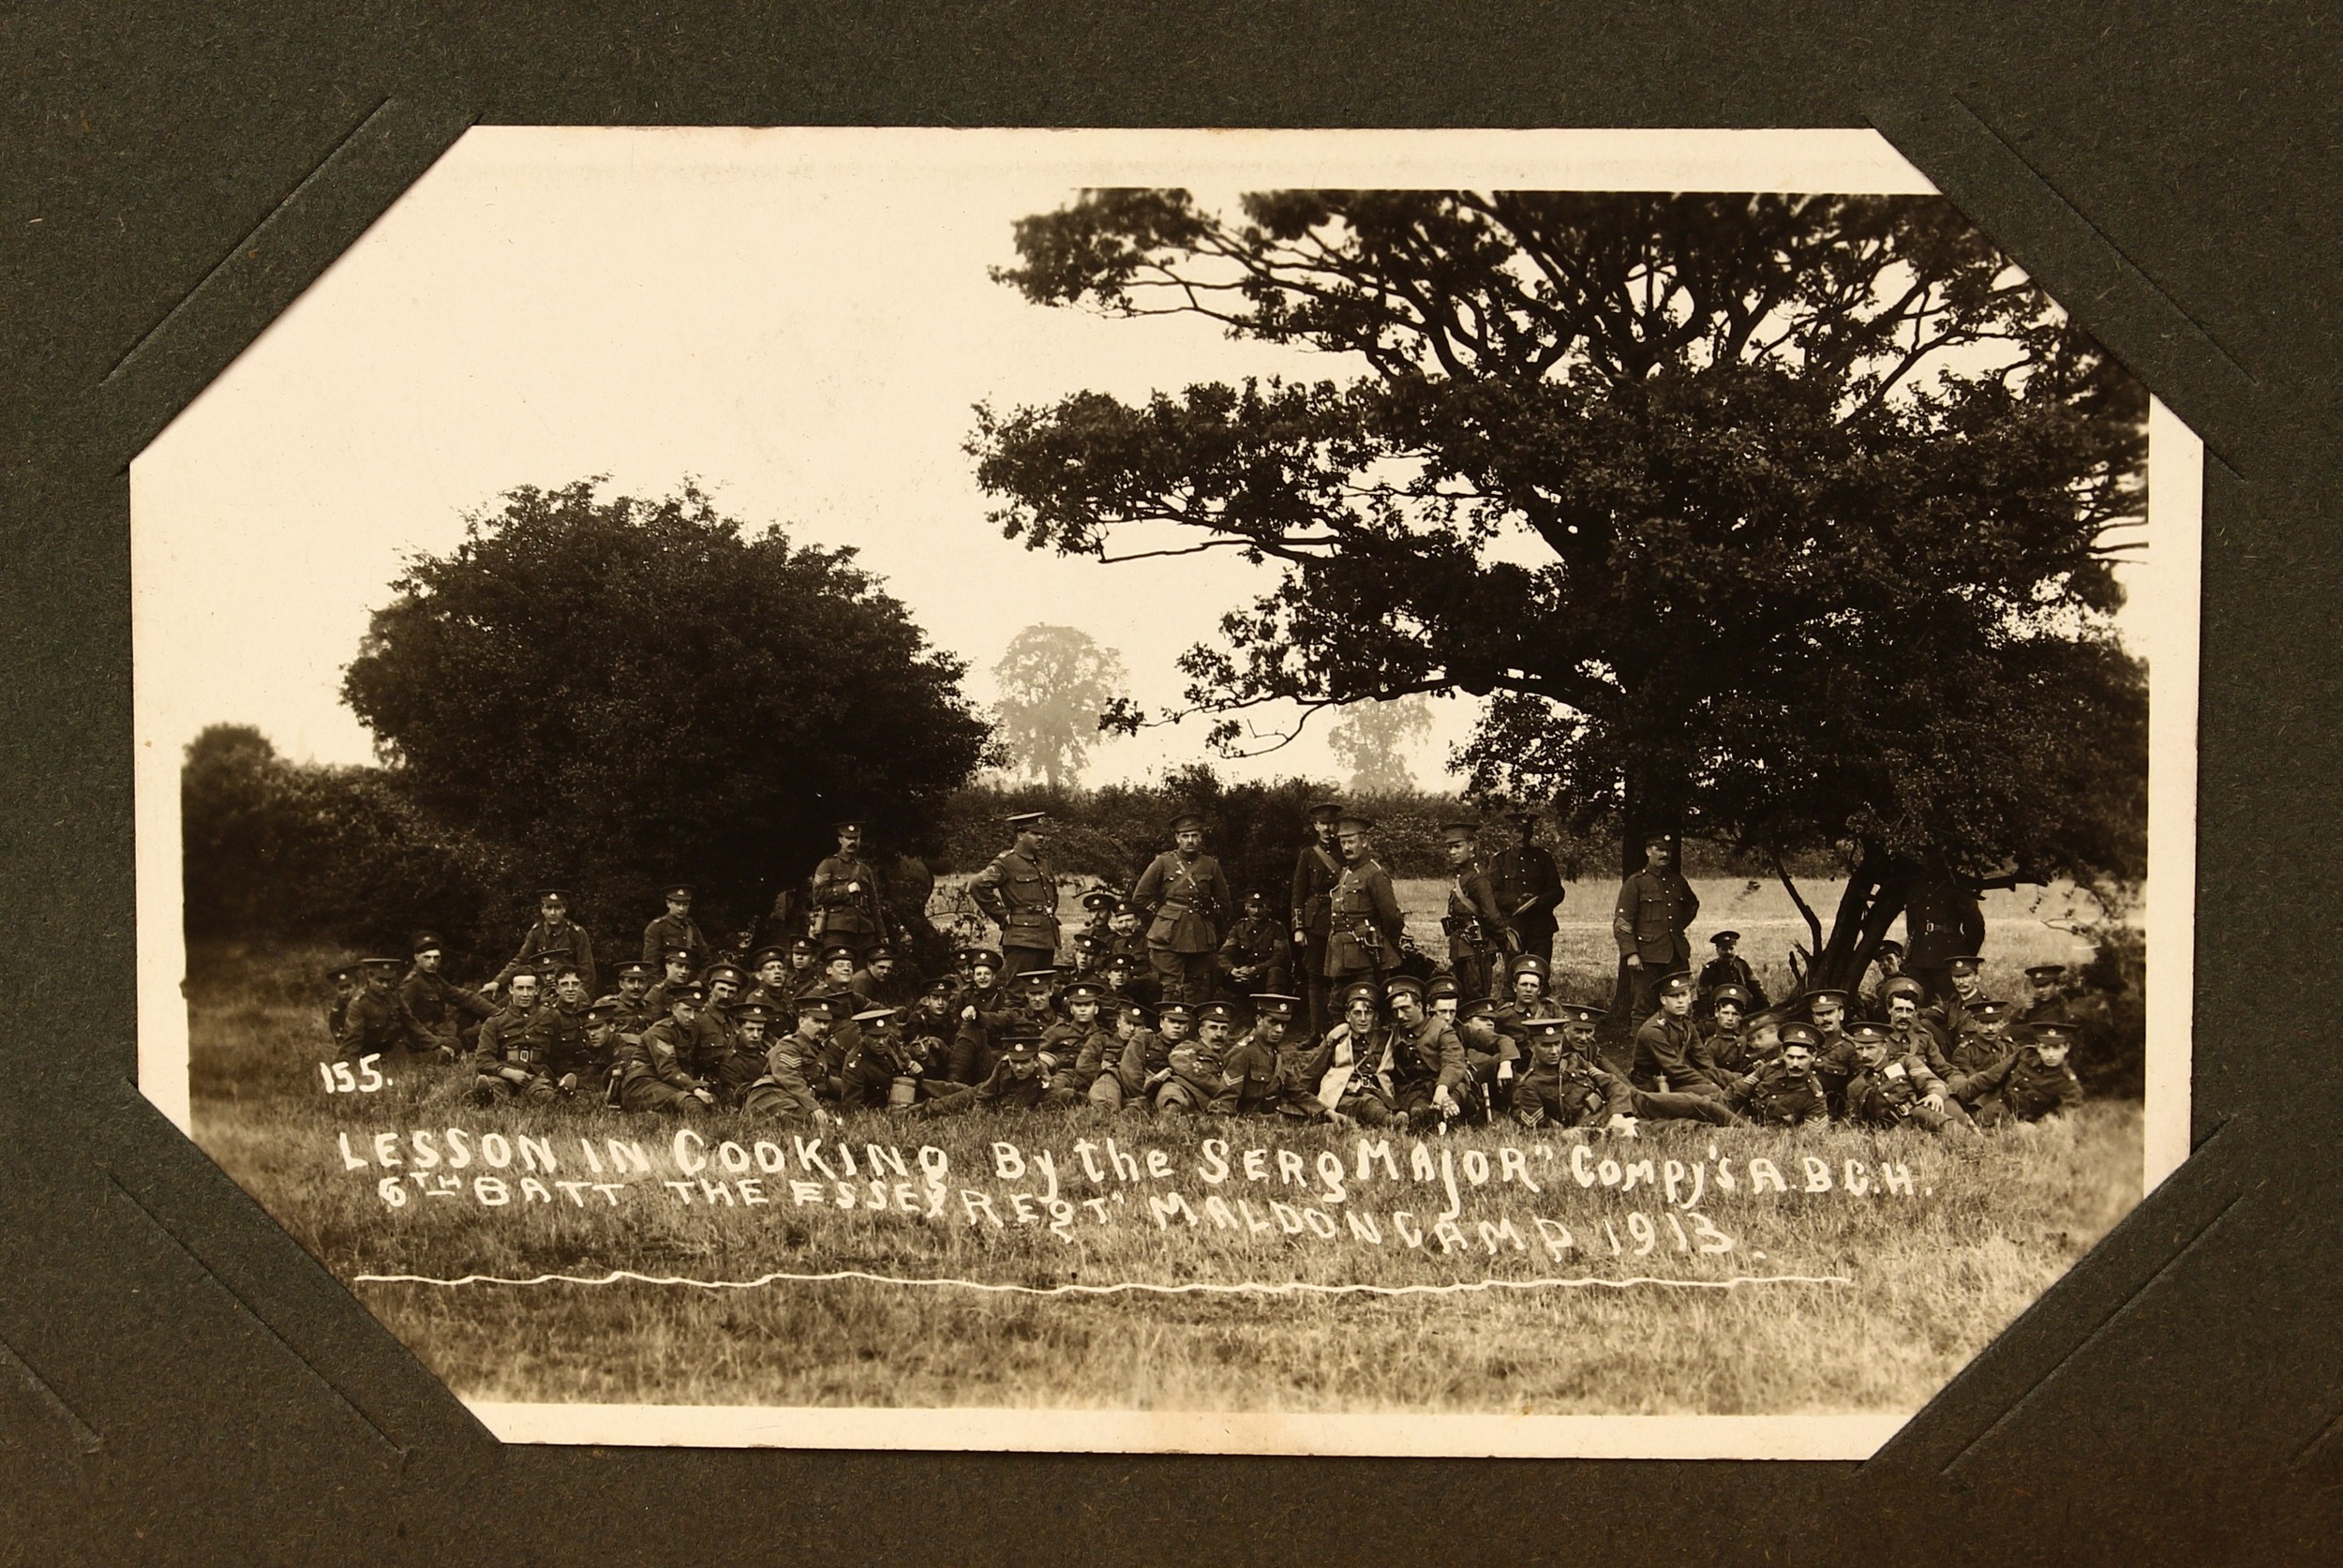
(849, 903)
(1528, 888)
(553, 935)
(1017, 892)
(1315, 872)
(1363, 919)
(1655, 906)
(1186, 897)
(675, 929)
(1476, 927)
(1255, 956)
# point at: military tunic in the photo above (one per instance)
(509, 1040)
(1672, 1058)
(1366, 925)
(1528, 891)
(1423, 1060)
(1648, 923)
(666, 934)
(1255, 957)
(1343, 1075)
(1890, 1094)
(1018, 893)
(543, 940)
(1770, 1096)
(1252, 1080)
(374, 1025)
(850, 904)
(436, 1010)
(1476, 930)
(2024, 1087)
(1183, 899)
(1315, 872)
(780, 1093)
(1731, 969)
(651, 1071)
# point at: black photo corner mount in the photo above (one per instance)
(180, 1382)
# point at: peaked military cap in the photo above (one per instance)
(755, 1012)
(1963, 963)
(545, 893)
(688, 990)
(1544, 1031)
(1801, 1034)
(1461, 832)
(1989, 1009)
(425, 942)
(1179, 1011)
(341, 971)
(1255, 897)
(1086, 942)
(1443, 985)
(1530, 963)
(633, 971)
(1021, 820)
(1890, 949)
(1021, 1042)
(1101, 897)
(804, 945)
(1830, 992)
(677, 889)
(877, 1015)
(1732, 993)
(1348, 823)
(832, 954)
(2055, 1032)
(1676, 984)
(678, 955)
(820, 1003)
(980, 958)
(878, 952)
(1274, 1003)
(1480, 1007)
(381, 963)
(943, 985)
(1183, 821)
(849, 824)
(1120, 961)
(1903, 985)
(1772, 1017)
(1721, 937)
(1215, 1012)
(1523, 815)
(1363, 990)
(1084, 990)
(763, 956)
(1046, 975)
(716, 972)
(1131, 1007)
(1580, 1013)
(2038, 973)
(1864, 1031)
(1325, 811)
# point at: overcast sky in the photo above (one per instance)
(801, 320)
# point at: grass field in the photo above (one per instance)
(1900, 1289)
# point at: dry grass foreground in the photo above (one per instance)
(1929, 1276)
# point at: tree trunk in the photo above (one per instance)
(1875, 897)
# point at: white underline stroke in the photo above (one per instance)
(1295, 1286)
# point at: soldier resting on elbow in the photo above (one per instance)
(1896, 1092)
(2033, 1084)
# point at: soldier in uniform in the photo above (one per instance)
(676, 929)
(1979, 1051)
(1020, 1081)
(553, 935)
(1528, 888)
(1099, 904)
(1529, 976)
(1784, 1092)
(1127, 937)
(712, 1027)
(1189, 1081)
(1889, 959)
(1728, 1005)
(444, 1017)
(1949, 1012)
(1364, 922)
(653, 1074)
(1080, 1043)
(1655, 906)
(1834, 1057)
(849, 901)
(675, 971)
(929, 1025)
(1425, 1063)
(867, 1077)
(1670, 1058)
(781, 1093)
(1909, 1033)
(1185, 899)
(1894, 1091)
(1730, 968)
(1254, 956)
(1942, 920)
(1341, 1079)
(1253, 1070)
(2046, 995)
(1492, 1056)
(1758, 1043)
(1565, 1085)
(374, 1024)
(2032, 1083)
(985, 1009)
(1316, 871)
(345, 979)
(1475, 926)
(1017, 892)
(505, 1062)
(559, 1034)
(1145, 1055)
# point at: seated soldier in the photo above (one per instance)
(1888, 1092)
(1566, 1087)
(1252, 1072)
(929, 1025)
(1783, 1091)
(1125, 1020)
(882, 1073)
(780, 1093)
(1425, 1065)
(1728, 968)
(652, 1074)
(1525, 1000)
(1126, 937)
(1147, 1054)
(750, 1042)
(1098, 906)
(2033, 1084)
(560, 1031)
(1834, 1056)
(1949, 1014)
(713, 1030)
(507, 1062)
(768, 971)
(1669, 1056)
(603, 1021)
(1909, 1033)
(1890, 958)
(2046, 995)
(444, 1019)
(1985, 1046)
(1125, 976)
(985, 1010)
(1082, 1043)
(345, 979)
(677, 972)
(1341, 1079)
(1443, 998)
(805, 967)
(1728, 1005)
(1089, 951)
(1491, 1057)
(374, 1024)
(1018, 1082)
(1760, 1042)
(1255, 955)
(633, 995)
(1190, 1079)
(881, 981)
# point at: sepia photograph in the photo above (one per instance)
(1477, 793)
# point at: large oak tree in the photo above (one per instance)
(1783, 520)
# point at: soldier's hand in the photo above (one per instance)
(1934, 1101)
(1621, 1126)
(854, 887)
(968, 1014)
(488, 988)
(1301, 937)
(1446, 1102)
(568, 1083)
(1634, 960)
(703, 1097)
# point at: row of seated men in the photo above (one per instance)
(802, 1044)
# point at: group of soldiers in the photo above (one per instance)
(1175, 999)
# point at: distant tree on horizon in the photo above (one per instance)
(1370, 739)
(1055, 682)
